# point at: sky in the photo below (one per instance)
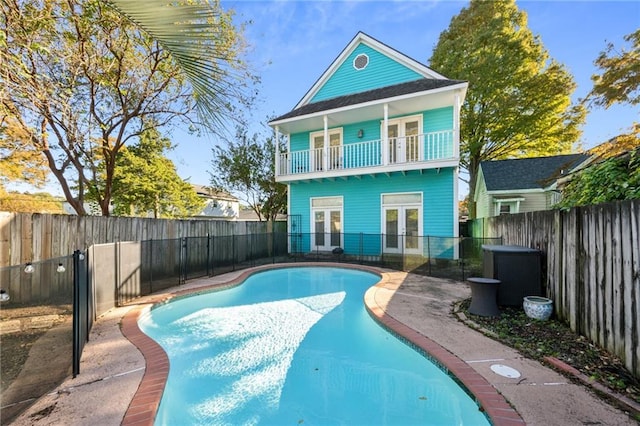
(293, 42)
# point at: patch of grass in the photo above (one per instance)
(536, 339)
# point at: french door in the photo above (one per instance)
(404, 143)
(333, 150)
(326, 223)
(402, 223)
(327, 229)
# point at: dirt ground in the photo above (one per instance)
(14, 353)
(35, 354)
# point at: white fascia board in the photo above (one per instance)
(519, 191)
(461, 86)
(362, 171)
(508, 200)
(376, 45)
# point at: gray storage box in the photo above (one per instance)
(519, 270)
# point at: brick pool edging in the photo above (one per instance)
(146, 401)
(489, 400)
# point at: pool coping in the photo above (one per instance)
(146, 401)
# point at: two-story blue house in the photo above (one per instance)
(372, 154)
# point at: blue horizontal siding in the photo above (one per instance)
(362, 200)
(433, 120)
(438, 119)
(370, 132)
(299, 141)
(380, 72)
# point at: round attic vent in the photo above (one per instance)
(361, 61)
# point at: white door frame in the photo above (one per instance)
(326, 209)
(400, 153)
(401, 208)
(325, 157)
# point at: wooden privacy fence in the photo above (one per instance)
(29, 237)
(592, 261)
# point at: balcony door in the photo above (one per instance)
(404, 139)
(326, 218)
(402, 223)
(331, 149)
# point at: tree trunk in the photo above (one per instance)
(77, 204)
(474, 166)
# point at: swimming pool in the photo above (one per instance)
(296, 346)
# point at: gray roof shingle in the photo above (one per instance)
(528, 173)
(420, 85)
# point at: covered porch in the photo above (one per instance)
(411, 126)
(422, 151)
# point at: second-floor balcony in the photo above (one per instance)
(423, 151)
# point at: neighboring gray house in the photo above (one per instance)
(521, 185)
(248, 215)
(219, 205)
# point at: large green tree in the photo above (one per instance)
(146, 181)
(81, 80)
(611, 179)
(519, 100)
(615, 174)
(245, 166)
(619, 80)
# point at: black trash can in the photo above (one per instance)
(519, 270)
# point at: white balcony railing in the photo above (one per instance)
(421, 148)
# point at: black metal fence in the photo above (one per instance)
(83, 308)
(48, 307)
(123, 271)
(445, 257)
(146, 267)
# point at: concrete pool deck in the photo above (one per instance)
(112, 368)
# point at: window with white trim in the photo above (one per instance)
(360, 62)
(507, 206)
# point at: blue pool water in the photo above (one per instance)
(296, 346)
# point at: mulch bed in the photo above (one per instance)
(538, 339)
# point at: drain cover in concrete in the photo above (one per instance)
(505, 371)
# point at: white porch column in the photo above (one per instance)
(325, 149)
(277, 159)
(456, 126)
(385, 136)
